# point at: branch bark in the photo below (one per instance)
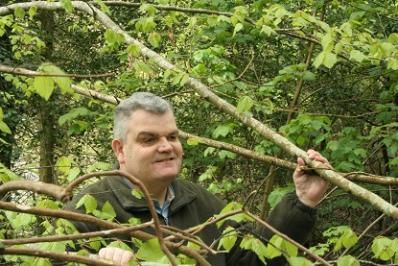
(54, 255)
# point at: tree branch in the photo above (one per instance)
(55, 238)
(54, 255)
(19, 71)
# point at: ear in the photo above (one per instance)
(117, 147)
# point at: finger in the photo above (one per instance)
(125, 258)
(117, 255)
(106, 253)
(299, 168)
(314, 155)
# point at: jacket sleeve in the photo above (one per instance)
(291, 217)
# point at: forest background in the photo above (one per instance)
(254, 84)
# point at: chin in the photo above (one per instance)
(167, 178)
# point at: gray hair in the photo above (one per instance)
(137, 101)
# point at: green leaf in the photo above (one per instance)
(32, 11)
(44, 86)
(64, 83)
(223, 154)
(238, 27)
(382, 248)
(151, 251)
(113, 38)
(283, 245)
(64, 164)
(267, 30)
(107, 212)
(4, 128)
(22, 220)
(347, 260)
(250, 243)
(233, 206)
(104, 8)
(137, 193)
(148, 8)
(47, 203)
(148, 24)
(222, 131)
(245, 104)
(330, 60)
(133, 50)
(67, 4)
(2, 246)
(392, 64)
(89, 202)
(72, 114)
(277, 194)
(358, 56)
(192, 141)
(119, 244)
(154, 39)
(73, 173)
(319, 59)
(134, 221)
(228, 239)
(299, 261)
(6, 174)
(19, 12)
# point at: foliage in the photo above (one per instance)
(254, 58)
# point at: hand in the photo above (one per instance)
(116, 255)
(310, 187)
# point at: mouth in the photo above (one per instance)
(165, 160)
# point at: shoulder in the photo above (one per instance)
(188, 190)
(101, 189)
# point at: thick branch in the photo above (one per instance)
(54, 255)
(19, 71)
(56, 238)
(52, 190)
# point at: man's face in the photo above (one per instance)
(151, 151)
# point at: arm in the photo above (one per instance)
(293, 216)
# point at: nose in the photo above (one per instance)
(164, 145)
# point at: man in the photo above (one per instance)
(146, 145)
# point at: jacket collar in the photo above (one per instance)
(183, 195)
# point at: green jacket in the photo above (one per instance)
(191, 206)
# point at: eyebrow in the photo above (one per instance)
(148, 133)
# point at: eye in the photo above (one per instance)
(148, 140)
(173, 137)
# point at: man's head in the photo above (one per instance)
(146, 140)
(137, 101)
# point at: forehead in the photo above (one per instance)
(144, 121)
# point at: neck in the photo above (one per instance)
(158, 192)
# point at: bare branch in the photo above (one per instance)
(55, 238)
(52, 190)
(21, 72)
(54, 255)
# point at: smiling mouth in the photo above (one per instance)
(165, 160)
